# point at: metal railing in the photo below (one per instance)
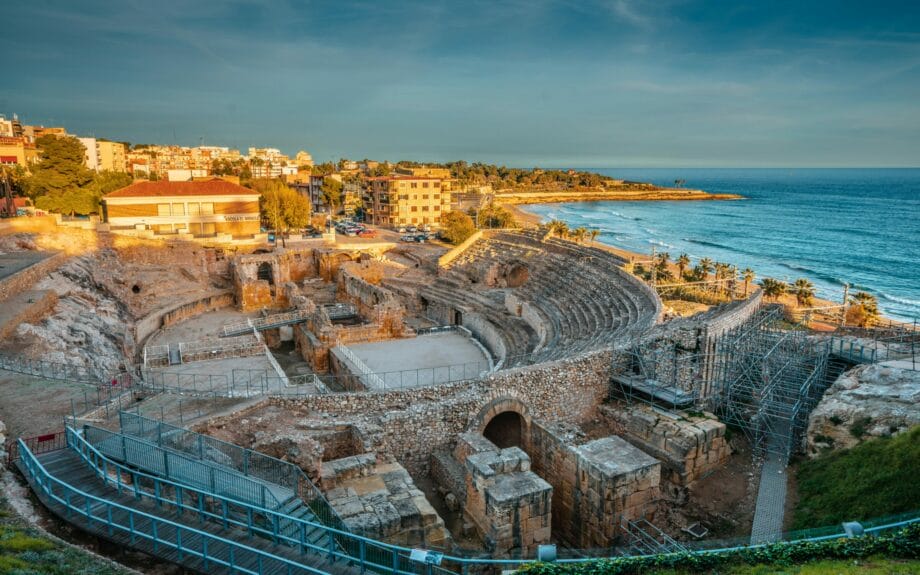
(246, 462)
(53, 370)
(364, 552)
(181, 468)
(266, 523)
(362, 371)
(162, 533)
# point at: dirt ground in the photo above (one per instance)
(724, 500)
(31, 406)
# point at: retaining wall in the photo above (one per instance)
(455, 252)
(24, 279)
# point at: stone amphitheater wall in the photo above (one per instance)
(414, 423)
(486, 333)
(166, 317)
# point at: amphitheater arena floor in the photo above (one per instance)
(429, 355)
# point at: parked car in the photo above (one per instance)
(407, 238)
(425, 228)
(401, 230)
(411, 229)
(366, 233)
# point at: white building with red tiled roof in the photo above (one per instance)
(201, 208)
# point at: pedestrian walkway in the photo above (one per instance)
(771, 500)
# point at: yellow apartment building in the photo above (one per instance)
(395, 201)
(111, 156)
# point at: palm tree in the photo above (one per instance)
(683, 262)
(772, 288)
(868, 304)
(579, 234)
(593, 235)
(747, 274)
(804, 291)
(705, 266)
(721, 273)
(664, 258)
(559, 228)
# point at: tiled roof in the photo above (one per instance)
(215, 187)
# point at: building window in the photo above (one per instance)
(437, 196)
(414, 185)
(424, 208)
(194, 209)
(178, 209)
(414, 220)
(162, 209)
(426, 220)
(437, 208)
(424, 196)
(424, 184)
(437, 184)
(404, 196)
(414, 208)
(207, 209)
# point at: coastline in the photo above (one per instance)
(612, 195)
(530, 219)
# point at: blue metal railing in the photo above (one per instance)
(363, 552)
(247, 462)
(180, 468)
(269, 524)
(211, 549)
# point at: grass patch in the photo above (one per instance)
(871, 566)
(26, 551)
(873, 479)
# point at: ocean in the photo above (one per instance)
(859, 226)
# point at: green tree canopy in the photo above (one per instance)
(60, 182)
(456, 227)
(283, 208)
(332, 194)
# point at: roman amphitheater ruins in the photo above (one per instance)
(485, 401)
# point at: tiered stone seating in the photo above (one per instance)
(584, 298)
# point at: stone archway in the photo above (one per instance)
(505, 430)
(505, 421)
(266, 273)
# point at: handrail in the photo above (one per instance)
(40, 476)
(260, 490)
(104, 466)
(246, 461)
(395, 552)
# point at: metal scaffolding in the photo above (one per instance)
(768, 378)
(663, 375)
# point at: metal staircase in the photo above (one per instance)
(192, 528)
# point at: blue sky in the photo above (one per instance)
(607, 83)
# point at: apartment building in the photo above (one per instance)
(17, 151)
(202, 208)
(442, 174)
(394, 201)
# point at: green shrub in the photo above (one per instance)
(858, 429)
(835, 419)
(904, 544)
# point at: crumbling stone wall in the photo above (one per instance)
(288, 266)
(375, 302)
(690, 446)
(412, 423)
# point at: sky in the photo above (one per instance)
(549, 83)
